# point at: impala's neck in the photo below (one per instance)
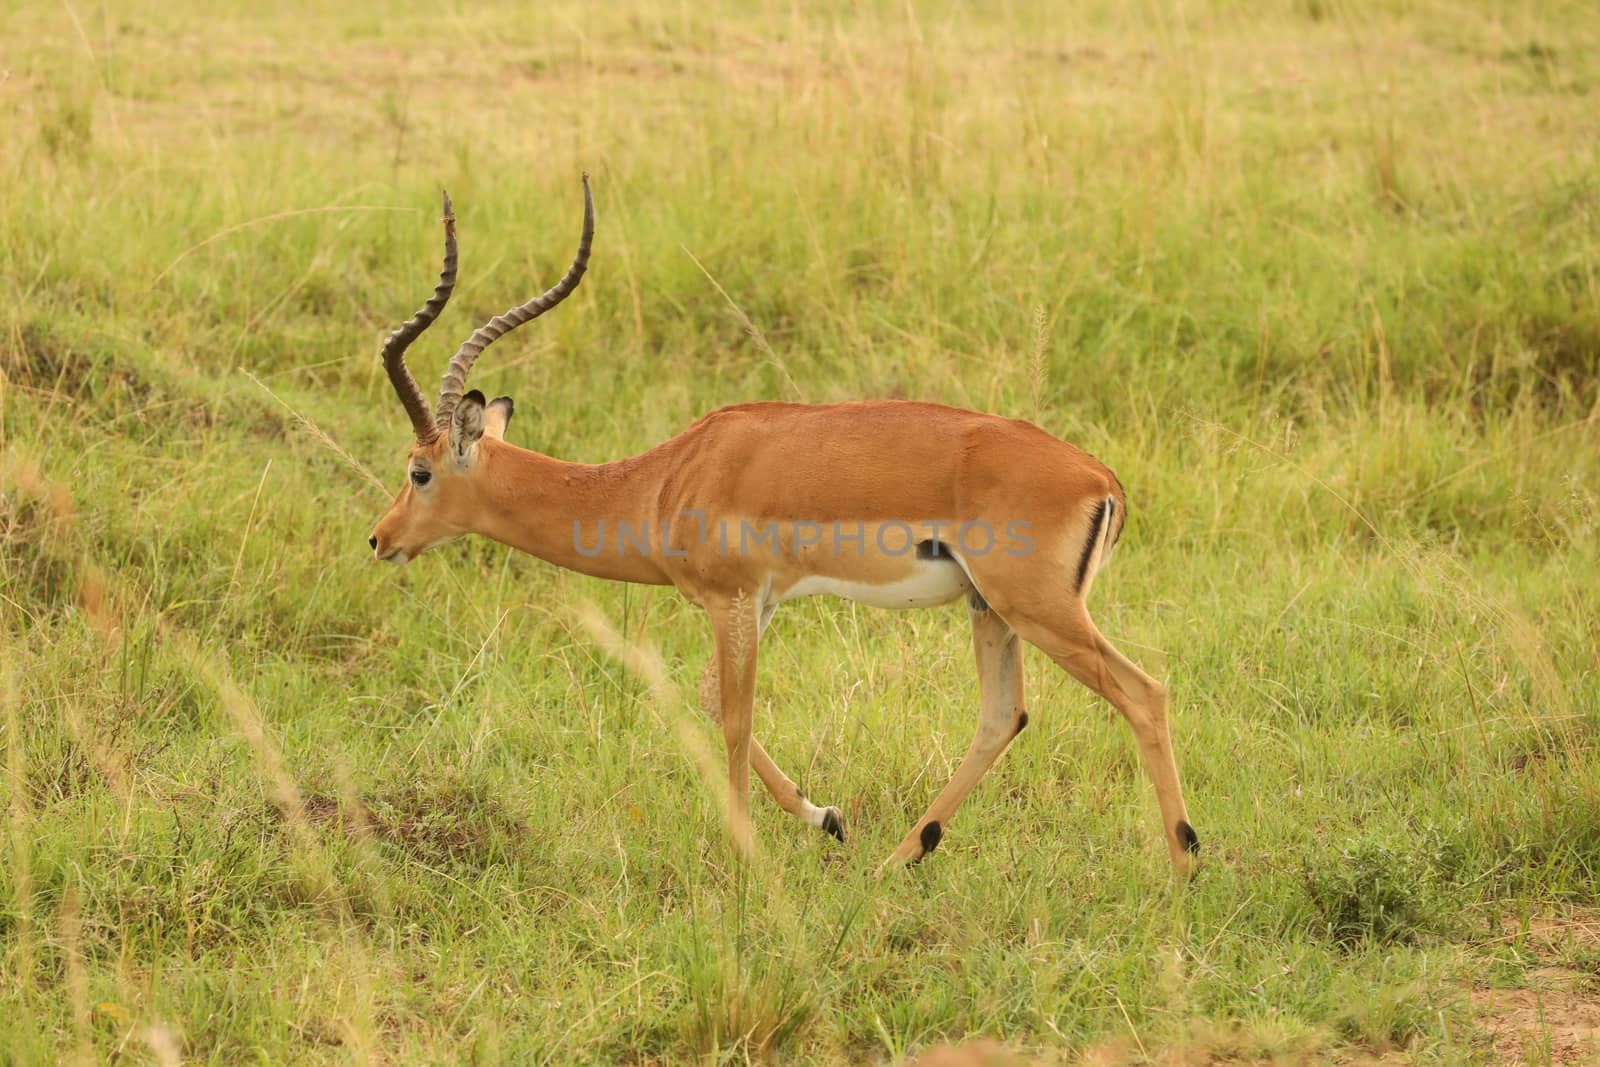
(531, 502)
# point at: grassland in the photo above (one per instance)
(1320, 282)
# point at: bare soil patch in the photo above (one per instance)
(1555, 1018)
(1540, 1025)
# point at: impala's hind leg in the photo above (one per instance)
(1071, 639)
(1000, 718)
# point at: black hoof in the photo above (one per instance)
(833, 824)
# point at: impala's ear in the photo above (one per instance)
(466, 426)
(497, 416)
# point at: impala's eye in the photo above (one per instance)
(420, 478)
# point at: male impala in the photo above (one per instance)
(890, 503)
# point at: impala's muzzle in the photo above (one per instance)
(386, 550)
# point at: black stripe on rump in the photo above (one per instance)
(1095, 525)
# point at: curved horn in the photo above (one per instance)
(455, 376)
(394, 349)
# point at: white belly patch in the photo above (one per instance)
(936, 581)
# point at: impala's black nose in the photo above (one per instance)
(373, 540)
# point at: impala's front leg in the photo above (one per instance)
(789, 796)
(734, 622)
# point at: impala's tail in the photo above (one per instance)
(1105, 525)
(1122, 511)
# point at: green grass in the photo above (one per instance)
(1320, 282)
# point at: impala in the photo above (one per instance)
(890, 503)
